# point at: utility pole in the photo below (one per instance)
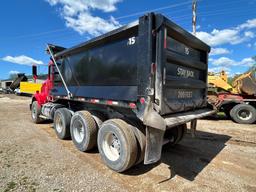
(194, 5)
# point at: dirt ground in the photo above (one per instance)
(221, 158)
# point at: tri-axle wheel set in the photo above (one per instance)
(121, 142)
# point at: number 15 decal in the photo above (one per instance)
(131, 41)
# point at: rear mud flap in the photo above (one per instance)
(154, 141)
(155, 129)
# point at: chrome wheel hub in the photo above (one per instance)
(59, 124)
(111, 146)
(78, 131)
(244, 114)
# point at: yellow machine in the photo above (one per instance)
(219, 81)
(243, 84)
(29, 87)
(237, 101)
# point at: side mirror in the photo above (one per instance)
(34, 72)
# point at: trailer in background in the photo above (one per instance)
(238, 101)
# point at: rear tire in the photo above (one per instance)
(243, 114)
(117, 145)
(139, 132)
(61, 123)
(35, 112)
(175, 134)
(98, 117)
(83, 130)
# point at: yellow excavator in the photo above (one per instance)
(245, 83)
(218, 82)
(236, 100)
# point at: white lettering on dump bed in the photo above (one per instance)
(185, 73)
(184, 94)
(131, 41)
(186, 50)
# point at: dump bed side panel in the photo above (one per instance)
(183, 61)
(105, 71)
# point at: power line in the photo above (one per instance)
(117, 18)
(201, 5)
(161, 9)
(39, 34)
(218, 12)
(152, 10)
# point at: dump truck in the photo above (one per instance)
(128, 91)
(237, 101)
(10, 86)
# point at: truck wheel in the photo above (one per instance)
(83, 130)
(141, 144)
(117, 145)
(35, 112)
(61, 123)
(98, 117)
(175, 134)
(243, 113)
(139, 132)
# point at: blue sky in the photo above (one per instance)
(26, 26)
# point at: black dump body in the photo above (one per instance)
(152, 58)
(16, 83)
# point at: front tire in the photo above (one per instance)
(35, 112)
(243, 114)
(61, 123)
(117, 145)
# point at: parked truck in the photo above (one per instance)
(236, 100)
(127, 92)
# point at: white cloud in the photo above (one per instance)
(220, 37)
(249, 24)
(13, 72)
(227, 70)
(78, 16)
(231, 36)
(219, 69)
(249, 34)
(22, 60)
(85, 23)
(219, 51)
(227, 62)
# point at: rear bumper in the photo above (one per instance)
(181, 118)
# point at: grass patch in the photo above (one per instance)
(57, 190)
(11, 185)
(221, 114)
